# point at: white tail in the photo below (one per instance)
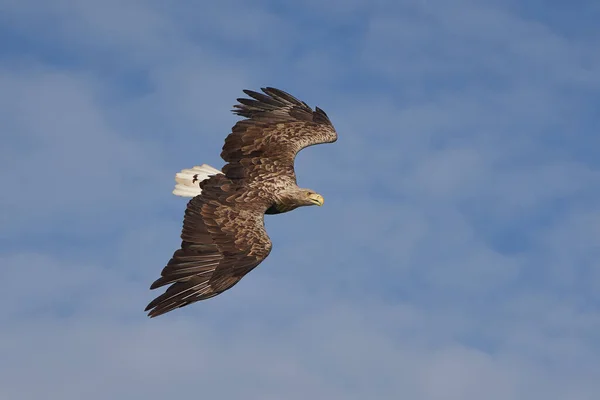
(188, 180)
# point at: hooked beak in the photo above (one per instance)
(316, 199)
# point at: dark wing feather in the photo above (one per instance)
(223, 238)
(277, 126)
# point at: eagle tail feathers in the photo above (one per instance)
(188, 180)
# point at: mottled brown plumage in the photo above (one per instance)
(223, 235)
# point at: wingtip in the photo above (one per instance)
(151, 310)
(248, 92)
(152, 315)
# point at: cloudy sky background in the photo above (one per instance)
(457, 253)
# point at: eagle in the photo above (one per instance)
(223, 235)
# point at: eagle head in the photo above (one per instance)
(291, 199)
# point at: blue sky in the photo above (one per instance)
(456, 256)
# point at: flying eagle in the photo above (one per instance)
(224, 236)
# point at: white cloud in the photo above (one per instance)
(455, 256)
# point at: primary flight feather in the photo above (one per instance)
(223, 236)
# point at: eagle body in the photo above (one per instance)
(223, 235)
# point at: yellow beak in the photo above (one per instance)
(317, 199)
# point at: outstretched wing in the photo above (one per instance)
(277, 126)
(223, 239)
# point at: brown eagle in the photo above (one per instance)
(224, 236)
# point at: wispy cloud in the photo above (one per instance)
(456, 256)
